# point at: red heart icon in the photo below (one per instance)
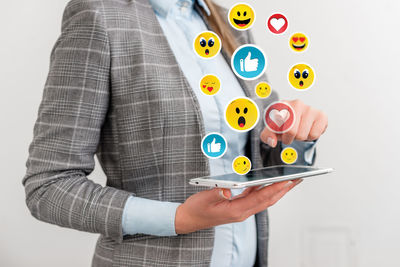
(302, 39)
(210, 89)
(277, 23)
(295, 39)
(204, 86)
(279, 117)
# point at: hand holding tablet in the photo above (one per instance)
(258, 177)
(214, 207)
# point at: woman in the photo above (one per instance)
(123, 85)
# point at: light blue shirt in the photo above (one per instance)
(235, 244)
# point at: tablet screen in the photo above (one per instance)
(264, 173)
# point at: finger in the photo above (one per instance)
(306, 123)
(276, 197)
(260, 199)
(326, 122)
(269, 137)
(288, 137)
(225, 193)
(298, 107)
(317, 129)
(246, 192)
(216, 195)
(256, 197)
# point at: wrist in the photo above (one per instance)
(183, 223)
(179, 220)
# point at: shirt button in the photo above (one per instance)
(183, 5)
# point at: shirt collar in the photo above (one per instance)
(162, 7)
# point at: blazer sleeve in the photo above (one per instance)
(67, 131)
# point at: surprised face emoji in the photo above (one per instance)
(242, 114)
(301, 77)
(207, 45)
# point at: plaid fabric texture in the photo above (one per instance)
(115, 90)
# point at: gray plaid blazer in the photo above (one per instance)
(115, 90)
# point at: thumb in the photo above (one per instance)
(225, 193)
(248, 55)
(269, 137)
(218, 194)
(213, 141)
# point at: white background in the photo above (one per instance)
(348, 219)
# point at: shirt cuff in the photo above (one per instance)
(151, 217)
(305, 151)
(309, 153)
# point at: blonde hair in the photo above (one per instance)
(219, 25)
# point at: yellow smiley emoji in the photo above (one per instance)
(241, 165)
(289, 155)
(242, 114)
(241, 16)
(207, 45)
(263, 90)
(210, 84)
(301, 77)
(299, 42)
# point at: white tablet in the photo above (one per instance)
(261, 176)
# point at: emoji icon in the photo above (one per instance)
(263, 90)
(210, 84)
(241, 114)
(289, 155)
(277, 23)
(248, 62)
(298, 42)
(301, 77)
(241, 16)
(241, 165)
(214, 145)
(279, 117)
(207, 44)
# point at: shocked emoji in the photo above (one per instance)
(289, 155)
(242, 114)
(301, 77)
(299, 42)
(263, 90)
(207, 44)
(241, 16)
(210, 84)
(241, 165)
